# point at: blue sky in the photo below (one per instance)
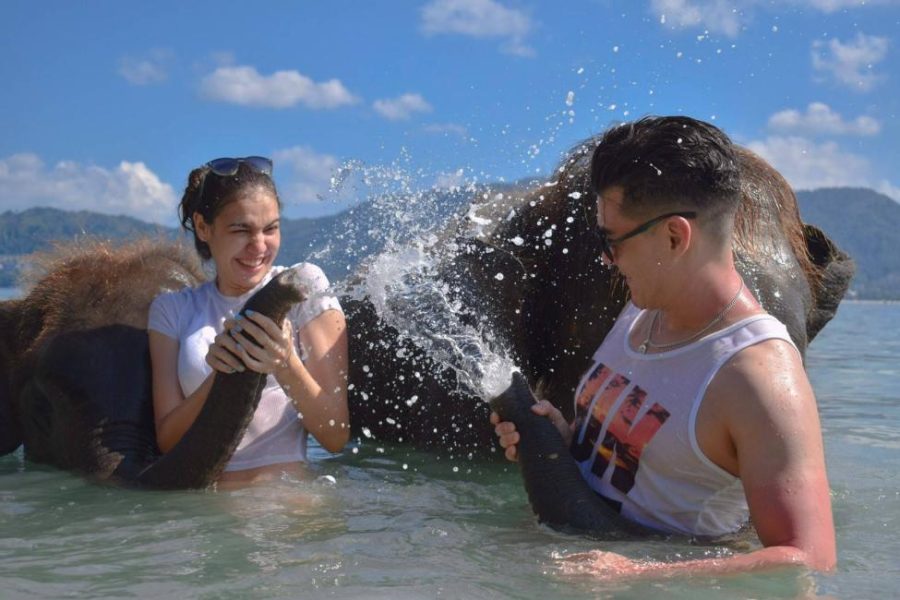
(108, 105)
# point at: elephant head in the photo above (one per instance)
(555, 301)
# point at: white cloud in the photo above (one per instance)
(808, 165)
(820, 119)
(717, 16)
(223, 58)
(888, 189)
(402, 107)
(148, 70)
(304, 175)
(453, 180)
(283, 89)
(851, 64)
(130, 189)
(830, 6)
(447, 129)
(480, 19)
(729, 17)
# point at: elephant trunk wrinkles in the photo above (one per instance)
(199, 457)
(558, 493)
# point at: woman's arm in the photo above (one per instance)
(173, 413)
(317, 388)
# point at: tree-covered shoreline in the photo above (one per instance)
(862, 222)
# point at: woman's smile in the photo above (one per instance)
(244, 241)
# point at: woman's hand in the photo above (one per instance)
(252, 342)
(273, 348)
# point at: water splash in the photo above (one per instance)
(400, 235)
(405, 286)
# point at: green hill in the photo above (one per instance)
(864, 223)
(37, 228)
(336, 243)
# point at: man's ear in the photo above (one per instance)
(680, 234)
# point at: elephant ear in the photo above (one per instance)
(10, 430)
(834, 272)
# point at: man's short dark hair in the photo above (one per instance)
(664, 164)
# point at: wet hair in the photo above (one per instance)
(208, 193)
(668, 164)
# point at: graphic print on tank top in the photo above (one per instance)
(611, 429)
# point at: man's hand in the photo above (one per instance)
(601, 565)
(509, 437)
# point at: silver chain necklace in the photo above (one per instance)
(648, 343)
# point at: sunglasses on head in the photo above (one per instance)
(608, 243)
(226, 166)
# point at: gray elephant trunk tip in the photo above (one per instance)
(277, 296)
(559, 495)
(516, 398)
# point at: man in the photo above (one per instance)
(696, 413)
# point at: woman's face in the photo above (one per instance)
(243, 239)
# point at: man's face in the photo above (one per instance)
(633, 257)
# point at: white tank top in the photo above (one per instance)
(194, 317)
(636, 443)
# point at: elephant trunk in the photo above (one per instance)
(10, 430)
(558, 493)
(199, 457)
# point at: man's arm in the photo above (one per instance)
(780, 457)
(760, 422)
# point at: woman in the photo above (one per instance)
(232, 209)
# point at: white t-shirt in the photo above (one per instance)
(195, 316)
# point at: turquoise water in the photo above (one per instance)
(399, 524)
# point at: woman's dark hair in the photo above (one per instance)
(667, 164)
(208, 193)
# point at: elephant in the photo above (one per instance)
(76, 384)
(555, 301)
(520, 267)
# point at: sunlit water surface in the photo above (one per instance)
(385, 522)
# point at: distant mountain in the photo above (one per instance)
(336, 243)
(862, 222)
(37, 228)
(866, 225)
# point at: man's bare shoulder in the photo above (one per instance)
(762, 381)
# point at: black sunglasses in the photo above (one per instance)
(607, 243)
(226, 167)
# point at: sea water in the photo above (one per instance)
(384, 521)
(380, 521)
